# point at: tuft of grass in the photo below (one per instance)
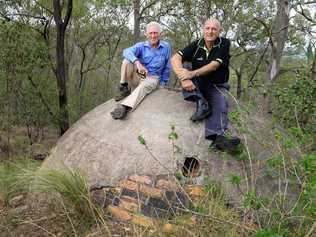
(70, 185)
(16, 176)
(71, 190)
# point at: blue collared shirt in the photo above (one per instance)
(155, 60)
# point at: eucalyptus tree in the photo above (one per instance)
(97, 32)
(61, 70)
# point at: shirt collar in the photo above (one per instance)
(217, 43)
(147, 44)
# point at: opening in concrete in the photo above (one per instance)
(191, 167)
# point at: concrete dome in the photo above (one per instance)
(109, 150)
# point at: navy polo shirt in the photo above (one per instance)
(197, 53)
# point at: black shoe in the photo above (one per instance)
(203, 110)
(122, 92)
(119, 112)
(230, 145)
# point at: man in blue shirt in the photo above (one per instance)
(146, 66)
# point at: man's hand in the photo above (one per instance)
(140, 68)
(188, 85)
(185, 74)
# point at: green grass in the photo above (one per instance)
(15, 176)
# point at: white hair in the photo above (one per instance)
(153, 23)
(215, 21)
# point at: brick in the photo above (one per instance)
(128, 184)
(128, 205)
(119, 213)
(195, 192)
(143, 188)
(166, 184)
(145, 179)
(151, 192)
(142, 221)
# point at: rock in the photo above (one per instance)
(39, 157)
(20, 210)
(16, 201)
(39, 152)
(2, 202)
(4, 146)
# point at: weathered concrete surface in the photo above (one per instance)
(108, 150)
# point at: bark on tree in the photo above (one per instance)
(239, 85)
(137, 16)
(61, 69)
(314, 66)
(278, 39)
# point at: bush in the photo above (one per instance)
(294, 103)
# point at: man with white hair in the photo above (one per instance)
(206, 83)
(146, 66)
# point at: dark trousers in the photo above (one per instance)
(215, 94)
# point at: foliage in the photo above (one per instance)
(295, 105)
(25, 87)
(308, 204)
(141, 140)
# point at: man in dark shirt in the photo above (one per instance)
(207, 84)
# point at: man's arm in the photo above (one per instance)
(131, 54)
(177, 66)
(185, 74)
(167, 68)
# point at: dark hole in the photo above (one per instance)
(190, 167)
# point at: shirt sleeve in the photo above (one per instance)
(132, 53)
(188, 52)
(167, 68)
(223, 57)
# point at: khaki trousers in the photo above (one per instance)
(140, 86)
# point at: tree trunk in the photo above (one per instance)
(277, 40)
(136, 4)
(61, 68)
(206, 11)
(239, 86)
(314, 66)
